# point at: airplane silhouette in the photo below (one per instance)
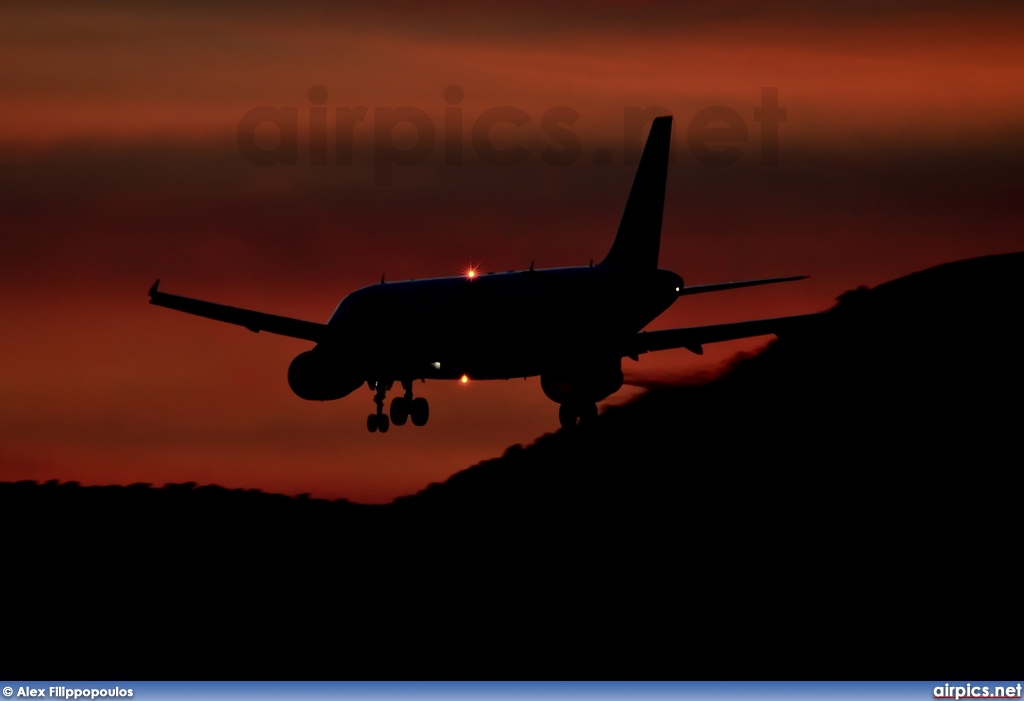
(570, 326)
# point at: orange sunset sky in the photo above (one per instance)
(902, 148)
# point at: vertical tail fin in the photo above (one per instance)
(639, 236)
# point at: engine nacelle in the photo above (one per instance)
(314, 376)
(584, 384)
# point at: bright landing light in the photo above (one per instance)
(464, 379)
(471, 271)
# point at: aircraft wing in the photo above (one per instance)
(254, 321)
(718, 286)
(694, 338)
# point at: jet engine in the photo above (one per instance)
(583, 384)
(315, 376)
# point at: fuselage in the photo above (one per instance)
(495, 325)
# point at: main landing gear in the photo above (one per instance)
(570, 413)
(402, 408)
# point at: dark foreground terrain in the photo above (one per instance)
(844, 504)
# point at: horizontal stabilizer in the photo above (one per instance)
(719, 286)
(254, 321)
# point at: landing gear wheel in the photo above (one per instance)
(567, 415)
(399, 411)
(419, 411)
(371, 423)
(382, 423)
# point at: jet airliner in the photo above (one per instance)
(570, 326)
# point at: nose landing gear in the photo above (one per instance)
(379, 421)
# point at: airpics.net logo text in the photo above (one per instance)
(975, 691)
(64, 692)
(715, 136)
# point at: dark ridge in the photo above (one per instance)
(827, 508)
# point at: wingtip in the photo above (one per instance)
(154, 289)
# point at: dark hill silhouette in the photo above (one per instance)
(822, 508)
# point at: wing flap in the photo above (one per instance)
(252, 320)
(695, 337)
